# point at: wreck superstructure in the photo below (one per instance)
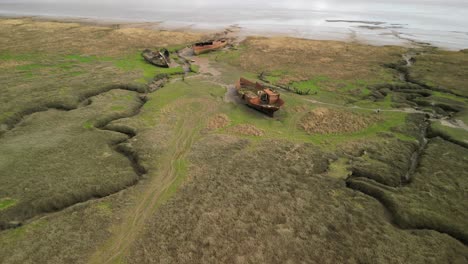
(259, 97)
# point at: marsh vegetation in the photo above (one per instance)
(99, 163)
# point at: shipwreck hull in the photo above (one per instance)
(156, 59)
(205, 47)
(270, 111)
(248, 91)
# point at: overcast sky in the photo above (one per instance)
(427, 7)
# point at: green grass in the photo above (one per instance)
(54, 63)
(454, 134)
(175, 91)
(194, 68)
(88, 124)
(57, 146)
(6, 202)
(181, 167)
(435, 192)
(73, 64)
(449, 96)
(365, 91)
(171, 71)
(352, 86)
(29, 67)
(273, 79)
(390, 120)
(355, 90)
(385, 104)
(275, 76)
(463, 116)
(136, 63)
(310, 86)
(5, 116)
(4, 56)
(404, 137)
(105, 207)
(118, 108)
(35, 66)
(86, 59)
(156, 103)
(175, 48)
(174, 57)
(231, 57)
(285, 125)
(442, 69)
(339, 169)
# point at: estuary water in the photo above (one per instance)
(381, 22)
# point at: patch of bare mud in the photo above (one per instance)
(455, 123)
(231, 95)
(327, 121)
(218, 121)
(204, 66)
(247, 130)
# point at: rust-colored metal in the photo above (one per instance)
(207, 46)
(259, 97)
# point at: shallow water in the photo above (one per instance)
(441, 23)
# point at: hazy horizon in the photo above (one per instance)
(442, 23)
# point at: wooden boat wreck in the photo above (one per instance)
(207, 46)
(159, 58)
(259, 97)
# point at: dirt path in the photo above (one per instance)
(402, 110)
(185, 132)
(126, 232)
(204, 64)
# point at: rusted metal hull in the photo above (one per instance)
(254, 101)
(266, 110)
(204, 47)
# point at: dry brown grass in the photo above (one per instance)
(329, 121)
(27, 35)
(247, 130)
(306, 59)
(272, 202)
(218, 121)
(12, 64)
(442, 69)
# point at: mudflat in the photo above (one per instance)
(106, 158)
(440, 23)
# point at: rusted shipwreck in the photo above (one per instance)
(159, 58)
(259, 97)
(207, 46)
